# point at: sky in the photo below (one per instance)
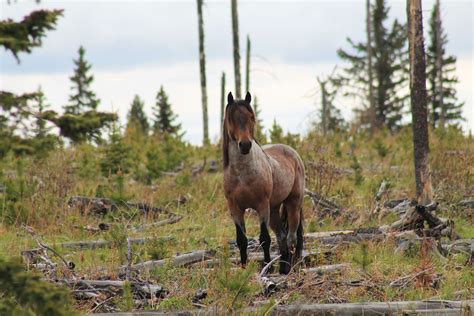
(137, 46)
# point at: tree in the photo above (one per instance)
(247, 66)
(388, 52)
(164, 118)
(235, 42)
(370, 71)
(419, 102)
(23, 36)
(15, 110)
(202, 66)
(43, 141)
(117, 154)
(222, 101)
(330, 117)
(259, 133)
(136, 116)
(83, 97)
(445, 107)
(276, 133)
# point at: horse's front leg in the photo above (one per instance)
(263, 211)
(242, 242)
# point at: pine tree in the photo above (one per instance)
(259, 132)
(117, 154)
(389, 67)
(330, 117)
(276, 133)
(164, 118)
(83, 97)
(136, 116)
(43, 141)
(445, 107)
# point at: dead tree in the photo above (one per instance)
(369, 68)
(222, 100)
(247, 66)
(418, 102)
(202, 66)
(235, 40)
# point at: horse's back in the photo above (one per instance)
(288, 172)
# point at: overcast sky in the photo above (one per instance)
(136, 46)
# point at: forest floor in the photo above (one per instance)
(347, 171)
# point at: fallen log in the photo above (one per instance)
(434, 307)
(177, 261)
(171, 220)
(102, 206)
(92, 286)
(328, 207)
(95, 244)
(330, 268)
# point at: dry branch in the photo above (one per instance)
(321, 203)
(104, 205)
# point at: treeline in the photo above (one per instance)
(376, 75)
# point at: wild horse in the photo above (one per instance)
(269, 179)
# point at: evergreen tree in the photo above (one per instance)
(136, 116)
(15, 110)
(389, 67)
(43, 141)
(276, 133)
(445, 107)
(259, 133)
(83, 97)
(117, 155)
(330, 116)
(164, 118)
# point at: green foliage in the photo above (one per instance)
(23, 36)
(81, 127)
(166, 152)
(380, 147)
(164, 117)
(234, 284)
(390, 71)
(276, 133)
(173, 303)
(450, 105)
(136, 116)
(84, 98)
(126, 302)
(362, 256)
(23, 293)
(357, 177)
(117, 155)
(259, 132)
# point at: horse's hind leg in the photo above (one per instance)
(278, 225)
(293, 206)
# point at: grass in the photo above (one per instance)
(332, 171)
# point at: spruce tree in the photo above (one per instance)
(117, 155)
(18, 37)
(330, 117)
(259, 133)
(136, 116)
(43, 141)
(83, 98)
(164, 117)
(276, 133)
(389, 66)
(444, 104)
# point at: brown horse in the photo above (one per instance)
(265, 179)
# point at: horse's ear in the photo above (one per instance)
(248, 97)
(230, 98)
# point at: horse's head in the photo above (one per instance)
(239, 123)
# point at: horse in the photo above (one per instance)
(269, 179)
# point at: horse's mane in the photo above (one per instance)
(229, 111)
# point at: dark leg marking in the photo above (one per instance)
(242, 243)
(265, 241)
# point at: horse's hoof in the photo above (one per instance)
(284, 268)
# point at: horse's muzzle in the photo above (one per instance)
(244, 147)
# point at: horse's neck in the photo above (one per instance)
(252, 162)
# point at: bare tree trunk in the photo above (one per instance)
(222, 101)
(202, 64)
(247, 67)
(439, 68)
(372, 110)
(324, 109)
(235, 39)
(418, 102)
